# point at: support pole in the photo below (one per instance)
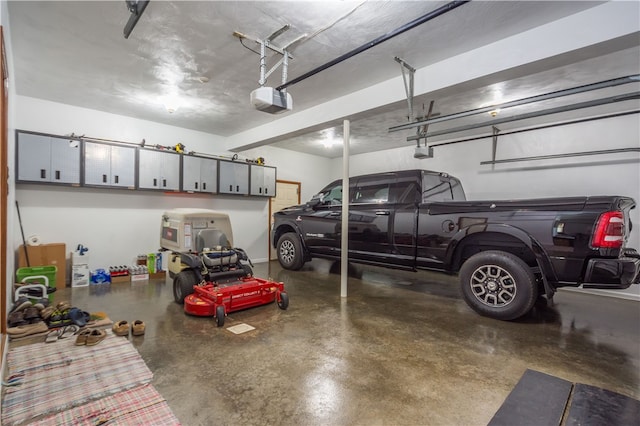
(344, 243)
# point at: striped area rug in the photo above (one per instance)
(139, 406)
(59, 376)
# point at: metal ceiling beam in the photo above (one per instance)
(565, 108)
(567, 155)
(406, 27)
(552, 95)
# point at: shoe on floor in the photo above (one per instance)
(15, 319)
(96, 336)
(27, 330)
(22, 303)
(137, 329)
(31, 312)
(81, 340)
(63, 306)
(121, 328)
(45, 314)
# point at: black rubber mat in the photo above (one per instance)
(596, 406)
(538, 399)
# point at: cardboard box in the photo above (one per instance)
(139, 277)
(120, 279)
(54, 254)
(161, 274)
(80, 275)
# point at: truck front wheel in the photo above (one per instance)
(498, 284)
(290, 253)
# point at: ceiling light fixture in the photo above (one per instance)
(171, 103)
(494, 112)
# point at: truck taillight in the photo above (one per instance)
(609, 232)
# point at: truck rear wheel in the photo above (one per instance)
(290, 253)
(498, 284)
(183, 285)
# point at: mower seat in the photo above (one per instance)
(220, 257)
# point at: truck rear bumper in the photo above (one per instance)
(612, 273)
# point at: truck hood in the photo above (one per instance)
(290, 211)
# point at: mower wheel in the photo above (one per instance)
(183, 285)
(283, 303)
(220, 316)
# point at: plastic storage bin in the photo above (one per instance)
(23, 274)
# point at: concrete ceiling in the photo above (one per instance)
(75, 53)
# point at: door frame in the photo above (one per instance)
(299, 184)
(4, 181)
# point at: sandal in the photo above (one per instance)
(69, 331)
(53, 335)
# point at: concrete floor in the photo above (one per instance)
(403, 349)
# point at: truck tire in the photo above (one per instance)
(290, 253)
(498, 285)
(183, 285)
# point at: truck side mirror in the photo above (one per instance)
(315, 200)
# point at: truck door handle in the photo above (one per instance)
(335, 213)
(382, 213)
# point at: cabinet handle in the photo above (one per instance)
(196, 185)
(204, 186)
(266, 190)
(164, 183)
(260, 190)
(155, 182)
(104, 178)
(43, 174)
(117, 179)
(57, 174)
(237, 188)
(230, 188)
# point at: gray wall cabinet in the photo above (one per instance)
(263, 181)
(199, 174)
(234, 178)
(43, 158)
(158, 170)
(109, 165)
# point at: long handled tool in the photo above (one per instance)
(24, 243)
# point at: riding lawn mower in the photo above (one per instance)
(210, 276)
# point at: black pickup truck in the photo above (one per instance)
(506, 253)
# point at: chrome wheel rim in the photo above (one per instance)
(493, 286)
(287, 252)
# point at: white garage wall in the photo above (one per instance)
(117, 225)
(613, 174)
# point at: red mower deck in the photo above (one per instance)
(217, 300)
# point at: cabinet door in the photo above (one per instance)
(169, 171)
(97, 164)
(269, 188)
(65, 160)
(34, 157)
(149, 169)
(209, 175)
(123, 166)
(191, 173)
(257, 180)
(234, 178)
